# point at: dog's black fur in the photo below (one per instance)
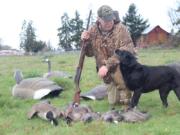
(142, 79)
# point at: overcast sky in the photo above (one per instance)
(46, 15)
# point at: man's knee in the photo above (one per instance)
(125, 96)
(113, 94)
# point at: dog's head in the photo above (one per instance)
(126, 57)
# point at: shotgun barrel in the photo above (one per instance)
(80, 66)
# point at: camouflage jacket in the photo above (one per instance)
(102, 46)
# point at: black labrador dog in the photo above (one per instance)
(142, 79)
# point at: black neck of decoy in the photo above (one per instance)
(49, 66)
(18, 76)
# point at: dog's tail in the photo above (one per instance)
(177, 85)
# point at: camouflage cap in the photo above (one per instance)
(106, 13)
(116, 16)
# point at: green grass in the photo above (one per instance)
(13, 111)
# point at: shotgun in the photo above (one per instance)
(80, 66)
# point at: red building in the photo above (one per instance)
(156, 36)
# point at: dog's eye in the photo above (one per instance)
(128, 57)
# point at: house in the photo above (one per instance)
(11, 52)
(155, 36)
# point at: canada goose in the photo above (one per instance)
(79, 113)
(97, 93)
(112, 116)
(131, 115)
(45, 111)
(74, 113)
(50, 73)
(36, 88)
(134, 115)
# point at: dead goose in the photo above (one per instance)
(45, 111)
(79, 113)
(36, 88)
(97, 93)
(113, 116)
(85, 113)
(134, 115)
(50, 73)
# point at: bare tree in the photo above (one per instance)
(174, 15)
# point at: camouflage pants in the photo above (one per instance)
(117, 90)
(116, 95)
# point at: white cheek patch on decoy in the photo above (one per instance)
(13, 90)
(41, 93)
(44, 116)
(115, 121)
(91, 97)
(52, 123)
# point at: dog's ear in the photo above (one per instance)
(117, 52)
(130, 59)
(125, 57)
(120, 54)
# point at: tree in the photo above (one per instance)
(64, 33)
(174, 15)
(49, 46)
(0, 43)
(135, 23)
(28, 38)
(3, 47)
(38, 46)
(76, 25)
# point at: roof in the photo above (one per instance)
(149, 29)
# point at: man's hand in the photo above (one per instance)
(102, 71)
(85, 35)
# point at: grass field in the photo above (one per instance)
(13, 118)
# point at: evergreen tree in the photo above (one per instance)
(135, 23)
(76, 25)
(49, 46)
(38, 46)
(28, 38)
(1, 44)
(64, 33)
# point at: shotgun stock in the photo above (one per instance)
(80, 66)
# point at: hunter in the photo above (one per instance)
(102, 40)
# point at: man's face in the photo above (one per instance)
(106, 25)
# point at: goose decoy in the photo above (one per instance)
(45, 111)
(36, 88)
(97, 93)
(50, 73)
